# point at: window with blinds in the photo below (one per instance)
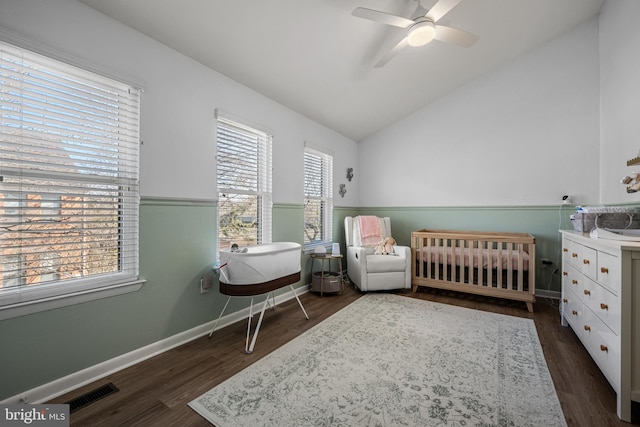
(244, 184)
(318, 198)
(68, 178)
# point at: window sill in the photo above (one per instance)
(36, 306)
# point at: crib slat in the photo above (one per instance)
(458, 251)
(490, 264)
(468, 254)
(453, 250)
(476, 262)
(460, 261)
(419, 242)
(510, 266)
(520, 267)
(464, 260)
(436, 271)
(463, 253)
(429, 251)
(445, 258)
(455, 269)
(418, 255)
(499, 266)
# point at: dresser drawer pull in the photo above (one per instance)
(574, 255)
(574, 312)
(604, 348)
(564, 273)
(585, 261)
(574, 281)
(587, 292)
(604, 270)
(604, 306)
(587, 327)
(564, 300)
(565, 250)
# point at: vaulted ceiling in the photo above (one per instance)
(316, 58)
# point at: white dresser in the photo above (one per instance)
(601, 302)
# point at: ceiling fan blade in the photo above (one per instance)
(393, 52)
(441, 8)
(382, 17)
(455, 36)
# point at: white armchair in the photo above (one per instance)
(371, 272)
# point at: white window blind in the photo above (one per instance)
(69, 142)
(244, 184)
(318, 197)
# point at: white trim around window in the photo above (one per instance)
(244, 183)
(69, 192)
(318, 198)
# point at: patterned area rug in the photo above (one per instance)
(387, 360)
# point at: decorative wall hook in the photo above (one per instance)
(349, 174)
(343, 190)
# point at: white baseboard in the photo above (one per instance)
(73, 381)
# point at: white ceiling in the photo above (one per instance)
(314, 57)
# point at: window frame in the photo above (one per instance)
(323, 194)
(26, 299)
(262, 189)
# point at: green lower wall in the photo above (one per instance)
(177, 246)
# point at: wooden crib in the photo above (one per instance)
(494, 264)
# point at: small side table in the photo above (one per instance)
(327, 258)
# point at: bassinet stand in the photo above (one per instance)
(253, 290)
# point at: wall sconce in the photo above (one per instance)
(343, 190)
(349, 174)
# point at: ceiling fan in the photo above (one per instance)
(421, 29)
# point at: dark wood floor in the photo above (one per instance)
(156, 392)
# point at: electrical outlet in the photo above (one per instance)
(206, 283)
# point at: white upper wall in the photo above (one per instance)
(525, 134)
(178, 104)
(620, 97)
(558, 120)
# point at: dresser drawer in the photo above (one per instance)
(608, 271)
(603, 304)
(572, 309)
(603, 345)
(589, 262)
(566, 251)
(574, 280)
(573, 253)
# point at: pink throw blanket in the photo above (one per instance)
(370, 232)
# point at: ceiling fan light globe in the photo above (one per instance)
(421, 33)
